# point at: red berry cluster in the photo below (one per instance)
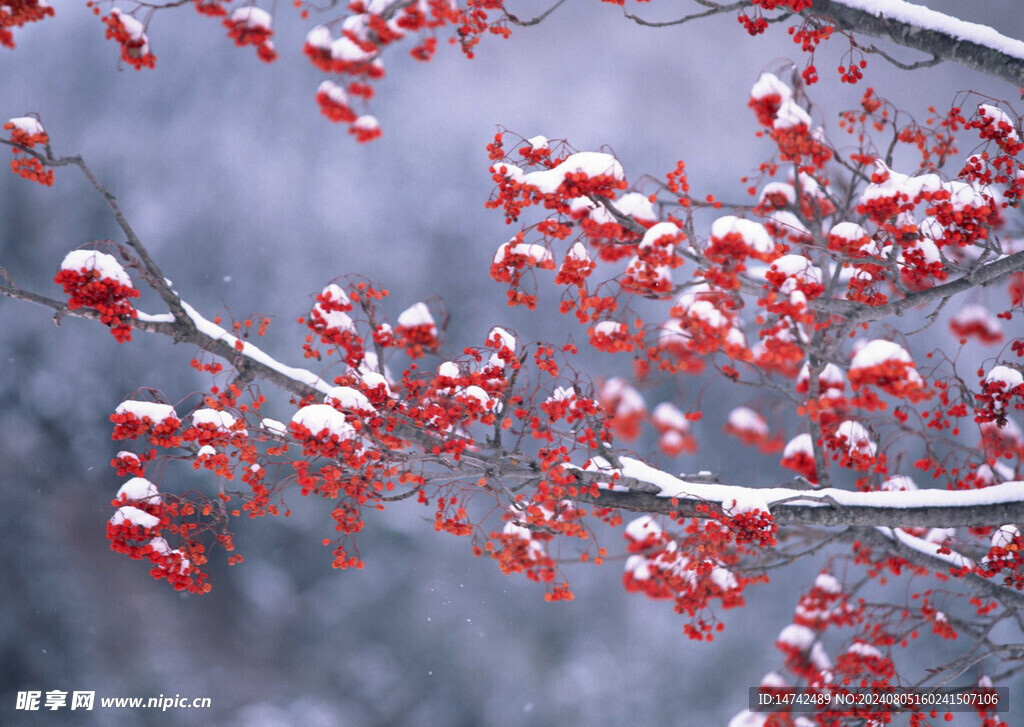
(88, 286)
(17, 13)
(131, 35)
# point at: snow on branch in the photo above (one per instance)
(824, 507)
(977, 46)
(922, 553)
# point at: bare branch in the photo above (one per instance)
(713, 9)
(535, 20)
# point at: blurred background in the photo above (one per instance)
(251, 201)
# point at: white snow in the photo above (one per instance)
(610, 328)
(1004, 536)
(788, 223)
(709, 313)
(366, 122)
(753, 233)
(658, 231)
(320, 37)
(346, 397)
(106, 265)
(561, 393)
(318, 417)
(273, 426)
(831, 376)
(636, 205)
(219, 419)
(638, 566)
(601, 465)
(517, 530)
(539, 253)
(337, 94)
(449, 370)
(928, 250)
(931, 549)
(507, 339)
(578, 252)
(370, 365)
(746, 718)
(476, 393)
(337, 295)
(671, 486)
(747, 420)
(253, 353)
(827, 583)
(928, 19)
(252, 17)
(798, 269)
(999, 116)
(1012, 378)
(628, 399)
(797, 636)
(159, 545)
(865, 651)
(136, 31)
(371, 380)
(141, 409)
(819, 658)
(979, 315)
(667, 415)
(155, 318)
(343, 49)
(672, 439)
(857, 437)
(27, 124)
(848, 231)
(206, 451)
(769, 85)
(135, 516)
(800, 444)
(139, 488)
(782, 189)
(791, 115)
(724, 578)
(879, 351)
(939, 536)
(591, 163)
(643, 528)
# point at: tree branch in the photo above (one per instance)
(942, 36)
(828, 507)
(982, 276)
(892, 542)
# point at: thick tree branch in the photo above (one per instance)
(979, 277)
(824, 507)
(913, 26)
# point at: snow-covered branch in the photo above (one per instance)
(642, 488)
(977, 46)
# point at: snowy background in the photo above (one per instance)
(251, 201)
